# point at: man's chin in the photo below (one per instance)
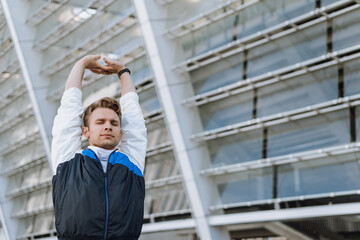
(106, 145)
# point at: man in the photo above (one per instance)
(99, 193)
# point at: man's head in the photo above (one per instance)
(102, 123)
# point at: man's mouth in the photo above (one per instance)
(106, 135)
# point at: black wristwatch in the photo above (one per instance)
(122, 71)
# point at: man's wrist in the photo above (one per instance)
(123, 71)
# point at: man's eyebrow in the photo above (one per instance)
(104, 119)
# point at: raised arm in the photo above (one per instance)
(66, 130)
(134, 134)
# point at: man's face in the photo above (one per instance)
(104, 128)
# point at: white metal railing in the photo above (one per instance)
(167, 213)
(69, 26)
(269, 78)
(293, 25)
(141, 86)
(5, 46)
(26, 139)
(31, 188)
(17, 92)
(9, 70)
(285, 199)
(164, 2)
(21, 116)
(36, 235)
(153, 116)
(223, 10)
(83, 48)
(300, 113)
(163, 182)
(35, 161)
(2, 20)
(44, 11)
(161, 148)
(285, 159)
(36, 211)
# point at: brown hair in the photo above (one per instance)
(105, 102)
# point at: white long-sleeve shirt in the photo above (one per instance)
(67, 130)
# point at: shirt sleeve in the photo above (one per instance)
(66, 131)
(134, 134)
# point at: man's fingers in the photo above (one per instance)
(109, 62)
(100, 71)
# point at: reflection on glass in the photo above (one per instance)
(283, 52)
(218, 74)
(346, 31)
(260, 16)
(245, 186)
(42, 222)
(352, 78)
(326, 175)
(149, 101)
(161, 166)
(234, 149)
(305, 90)
(310, 133)
(165, 200)
(227, 111)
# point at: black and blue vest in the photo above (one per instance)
(91, 204)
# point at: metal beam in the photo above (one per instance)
(286, 231)
(199, 189)
(30, 63)
(286, 214)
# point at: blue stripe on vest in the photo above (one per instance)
(120, 158)
(90, 154)
(116, 158)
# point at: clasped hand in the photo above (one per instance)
(91, 62)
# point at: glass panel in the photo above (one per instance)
(238, 148)
(332, 174)
(36, 200)
(310, 133)
(252, 20)
(346, 31)
(209, 37)
(165, 199)
(42, 222)
(352, 77)
(180, 11)
(217, 74)
(297, 47)
(161, 166)
(23, 154)
(31, 176)
(173, 235)
(269, 13)
(149, 101)
(308, 89)
(18, 132)
(157, 133)
(245, 186)
(328, 2)
(227, 111)
(357, 114)
(26, 226)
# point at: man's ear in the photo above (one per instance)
(86, 132)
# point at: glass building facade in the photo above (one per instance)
(252, 109)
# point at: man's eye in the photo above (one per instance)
(99, 122)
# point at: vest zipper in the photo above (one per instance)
(107, 206)
(106, 196)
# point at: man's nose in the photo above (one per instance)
(108, 126)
